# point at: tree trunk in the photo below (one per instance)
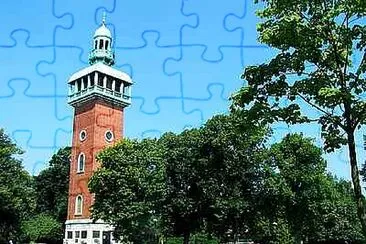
(356, 181)
(186, 238)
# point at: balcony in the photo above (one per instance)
(99, 91)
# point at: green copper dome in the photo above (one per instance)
(103, 31)
(102, 46)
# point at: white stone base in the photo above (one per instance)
(79, 225)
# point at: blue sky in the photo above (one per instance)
(185, 57)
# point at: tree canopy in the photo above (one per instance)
(136, 172)
(32, 208)
(52, 185)
(317, 75)
(43, 228)
(224, 181)
(16, 191)
(300, 201)
(212, 175)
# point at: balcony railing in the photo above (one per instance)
(100, 90)
(101, 53)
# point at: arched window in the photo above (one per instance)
(101, 44)
(79, 205)
(81, 163)
(106, 45)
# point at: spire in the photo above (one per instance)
(102, 45)
(104, 16)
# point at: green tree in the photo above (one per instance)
(184, 206)
(129, 189)
(52, 185)
(232, 150)
(333, 217)
(300, 202)
(318, 73)
(212, 173)
(16, 192)
(43, 228)
(200, 180)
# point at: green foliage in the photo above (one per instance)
(16, 192)
(320, 64)
(52, 185)
(300, 201)
(187, 182)
(23, 196)
(276, 231)
(318, 73)
(129, 188)
(43, 228)
(201, 238)
(206, 189)
(195, 239)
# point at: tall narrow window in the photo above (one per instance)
(81, 163)
(96, 44)
(101, 44)
(106, 45)
(79, 205)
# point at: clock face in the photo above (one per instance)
(82, 135)
(109, 136)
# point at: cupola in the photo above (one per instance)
(102, 46)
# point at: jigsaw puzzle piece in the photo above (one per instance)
(34, 137)
(21, 63)
(22, 138)
(196, 74)
(148, 62)
(169, 117)
(36, 17)
(131, 19)
(36, 158)
(243, 21)
(84, 23)
(211, 31)
(54, 68)
(214, 103)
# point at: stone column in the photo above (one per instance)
(77, 85)
(114, 85)
(96, 78)
(89, 81)
(105, 82)
(122, 89)
(82, 83)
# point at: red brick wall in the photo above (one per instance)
(95, 118)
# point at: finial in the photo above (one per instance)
(104, 16)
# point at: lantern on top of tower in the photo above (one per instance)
(102, 46)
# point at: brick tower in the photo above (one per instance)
(99, 94)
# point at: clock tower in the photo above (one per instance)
(99, 93)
